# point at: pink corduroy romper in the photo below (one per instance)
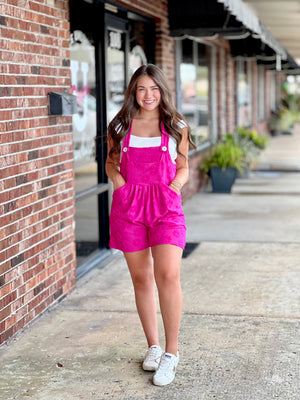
(145, 212)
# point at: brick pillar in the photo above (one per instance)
(221, 90)
(230, 94)
(268, 93)
(37, 251)
(254, 94)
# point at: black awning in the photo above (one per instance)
(251, 47)
(201, 18)
(289, 64)
(228, 18)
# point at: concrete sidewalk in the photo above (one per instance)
(239, 337)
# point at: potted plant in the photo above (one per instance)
(248, 154)
(281, 122)
(287, 114)
(253, 137)
(251, 144)
(222, 164)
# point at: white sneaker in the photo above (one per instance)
(152, 358)
(166, 370)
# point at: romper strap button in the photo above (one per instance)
(164, 148)
(125, 149)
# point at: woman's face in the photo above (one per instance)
(147, 93)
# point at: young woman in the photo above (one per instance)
(148, 142)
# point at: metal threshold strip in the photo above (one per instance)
(99, 259)
(97, 189)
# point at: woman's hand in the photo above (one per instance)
(118, 182)
(112, 169)
(182, 166)
(176, 186)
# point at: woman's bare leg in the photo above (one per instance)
(167, 260)
(140, 266)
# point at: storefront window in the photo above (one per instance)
(115, 72)
(137, 42)
(124, 41)
(243, 100)
(202, 97)
(194, 85)
(137, 58)
(141, 42)
(139, 48)
(83, 77)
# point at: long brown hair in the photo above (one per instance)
(168, 115)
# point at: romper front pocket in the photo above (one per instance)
(172, 192)
(120, 193)
(120, 188)
(173, 199)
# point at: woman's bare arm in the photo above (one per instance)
(182, 166)
(112, 169)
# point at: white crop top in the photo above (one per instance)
(140, 142)
(137, 141)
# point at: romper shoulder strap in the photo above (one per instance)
(126, 139)
(164, 137)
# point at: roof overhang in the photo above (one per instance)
(288, 65)
(282, 18)
(242, 14)
(231, 19)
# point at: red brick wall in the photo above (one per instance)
(196, 178)
(254, 93)
(230, 94)
(221, 90)
(260, 126)
(268, 94)
(37, 253)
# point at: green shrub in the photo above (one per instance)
(251, 135)
(223, 155)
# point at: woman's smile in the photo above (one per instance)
(147, 93)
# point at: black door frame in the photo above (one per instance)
(87, 18)
(96, 19)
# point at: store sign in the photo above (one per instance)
(115, 40)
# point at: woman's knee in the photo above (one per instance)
(143, 279)
(168, 278)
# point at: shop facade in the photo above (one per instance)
(55, 195)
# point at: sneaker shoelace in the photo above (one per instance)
(166, 366)
(154, 354)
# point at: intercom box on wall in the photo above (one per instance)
(62, 103)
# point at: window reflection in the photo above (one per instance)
(242, 95)
(84, 133)
(84, 122)
(115, 72)
(139, 44)
(194, 81)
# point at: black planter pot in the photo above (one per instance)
(222, 180)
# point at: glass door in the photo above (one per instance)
(106, 47)
(116, 62)
(83, 75)
(91, 217)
